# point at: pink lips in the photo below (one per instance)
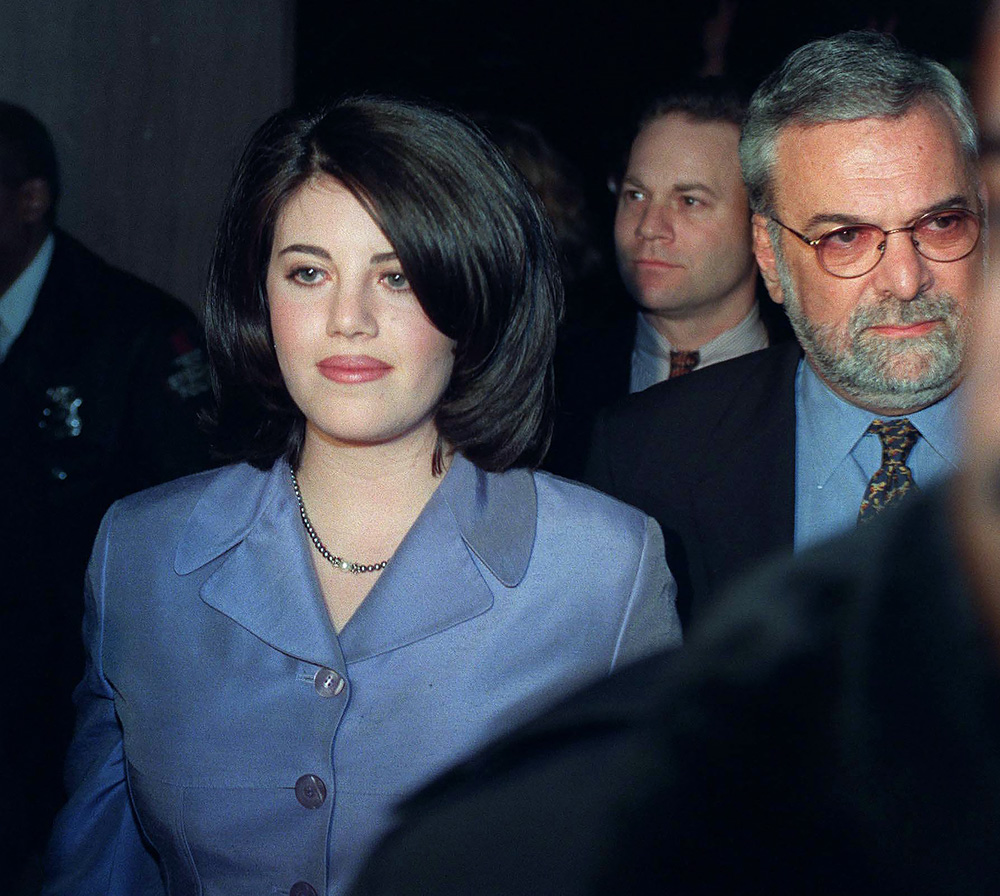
(905, 331)
(655, 263)
(353, 368)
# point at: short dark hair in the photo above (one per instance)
(848, 77)
(471, 238)
(26, 152)
(701, 99)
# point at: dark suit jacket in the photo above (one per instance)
(711, 456)
(832, 729)
(98, 397)
(593, 367)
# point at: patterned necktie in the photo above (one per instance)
(894, 478)
(683, 362)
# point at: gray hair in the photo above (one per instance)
(859, 74)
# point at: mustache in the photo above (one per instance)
(897, 313)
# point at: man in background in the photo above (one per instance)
(684, 249)
(860, 161)
(102, 377)
(832, 729)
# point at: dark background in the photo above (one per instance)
(150, 104)
(580, 71)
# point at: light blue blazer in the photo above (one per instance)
(229, 741)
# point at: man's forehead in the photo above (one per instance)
(683, 126)
(679, 147)
(897, 163)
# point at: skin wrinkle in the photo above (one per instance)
(859, 362)
(887, 172)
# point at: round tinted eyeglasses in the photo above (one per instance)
(855, 249)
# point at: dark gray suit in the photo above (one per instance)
(711, 456)
(99, 396)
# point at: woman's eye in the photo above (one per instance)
(633, 195)
(690, 201)
(396, 281)
(307, 276)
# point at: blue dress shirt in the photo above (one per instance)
(17, 303)
(835, 458)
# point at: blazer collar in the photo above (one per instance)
(266, 582)
(246, 522)
(433, 583)
(496, 514)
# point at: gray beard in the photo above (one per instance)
(867, 368)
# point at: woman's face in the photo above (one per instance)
(358, 354)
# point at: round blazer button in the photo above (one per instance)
(310, 791)
(328, 683)
(301, 888)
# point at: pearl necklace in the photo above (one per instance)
(337, 562)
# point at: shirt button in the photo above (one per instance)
(301, 888)
(310, 791)
(328, 683)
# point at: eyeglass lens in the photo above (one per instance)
(941, 236)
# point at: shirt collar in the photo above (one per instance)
(649, 340)
(495, 513)
(748, 335)
(17, 303)
(651, 353)
(827, 421)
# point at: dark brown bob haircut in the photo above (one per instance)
(471, 239)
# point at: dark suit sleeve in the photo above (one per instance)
(162, 437)
(611, 467)
(598, 471)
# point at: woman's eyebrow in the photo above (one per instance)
(307, 249)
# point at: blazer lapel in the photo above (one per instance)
(247, 522)
(265, 581)
(432, 582)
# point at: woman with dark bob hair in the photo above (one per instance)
(281, 649)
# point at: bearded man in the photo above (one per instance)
(860, 165)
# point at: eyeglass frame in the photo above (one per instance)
(814, 244)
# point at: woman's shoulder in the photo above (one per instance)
(575, 498)
(190, 488)
(228, 492)
(509, 517)
(586, 519)
(518, 488)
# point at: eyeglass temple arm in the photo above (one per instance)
(811, 243)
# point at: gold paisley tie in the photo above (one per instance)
(894, 478)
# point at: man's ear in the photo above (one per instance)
(763, 250)
(34, 199)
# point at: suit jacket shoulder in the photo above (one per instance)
(120, 358)
(711, 457)
(592, 370)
